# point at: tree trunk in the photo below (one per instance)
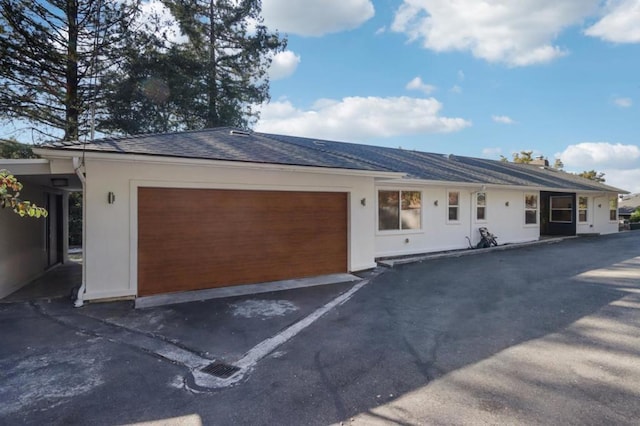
(71, 96)
(213, 119)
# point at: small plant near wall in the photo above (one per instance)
(635, 216)
(10, 189)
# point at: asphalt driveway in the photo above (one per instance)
(547, 334)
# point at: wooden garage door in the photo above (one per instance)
(190, 239)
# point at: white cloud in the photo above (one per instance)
(517, 33)
(492, 152)
(620, 163)
(628, 180)
(358, 118)
(623, 102)
(456, 89)
(283, 65)
(620, 24)
(316, 17)
(460, 75)
(601, 154)
(418, 84)
(502, 119)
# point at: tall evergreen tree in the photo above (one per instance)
(51, 55)
(153, 89)
(228, 36)
(215, 78)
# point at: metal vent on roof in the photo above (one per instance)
(318, 143)
(220, 369)
(239, 133)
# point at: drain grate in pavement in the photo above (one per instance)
(220, 369)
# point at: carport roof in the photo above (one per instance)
(230, 144)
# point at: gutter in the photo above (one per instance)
(79, 302)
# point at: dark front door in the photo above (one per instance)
(557, 213)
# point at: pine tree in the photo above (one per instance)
(51, 55)
(215, 75)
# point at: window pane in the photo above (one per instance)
(388, 210)
(410, 216)
(561, 202)
(530, 216)
(582, 215)
(561, 216)
(453, 199)
(453, 213)
(582, 203)
(613, 204)
(613, 215)
(481, 213)
(481, 199)
(531, 201)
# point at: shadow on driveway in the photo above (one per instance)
(547, 334)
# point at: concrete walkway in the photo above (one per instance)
(56, 283)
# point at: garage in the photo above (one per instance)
(193, 239)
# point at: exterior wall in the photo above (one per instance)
(505, 217)
(598, 220)
(23, 255)
(110, 251)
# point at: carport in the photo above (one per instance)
(33, 246)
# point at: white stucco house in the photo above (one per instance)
(223, 207)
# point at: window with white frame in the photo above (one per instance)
(453, 205)
(561, 209)
(481, 206)
(399, 210)
(583, 209)
(530, 209)
(613, 208)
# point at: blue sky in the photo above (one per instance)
(470, 77)
(480, 78)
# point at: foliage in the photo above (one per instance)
(75, 219)
(635, 216)
(524, 157)
(593, 175)
(153, 91)
(51, 55)
(558, 164)
(215, 78)
(10, 189)
(13, 149)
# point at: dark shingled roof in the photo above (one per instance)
(221, 143)
(234, 145)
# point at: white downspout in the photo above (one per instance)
(83, 287)
(471, 234)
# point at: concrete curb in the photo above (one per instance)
(392, 262)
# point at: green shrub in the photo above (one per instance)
(635, 216)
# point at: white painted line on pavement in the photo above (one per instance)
(264, 348)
